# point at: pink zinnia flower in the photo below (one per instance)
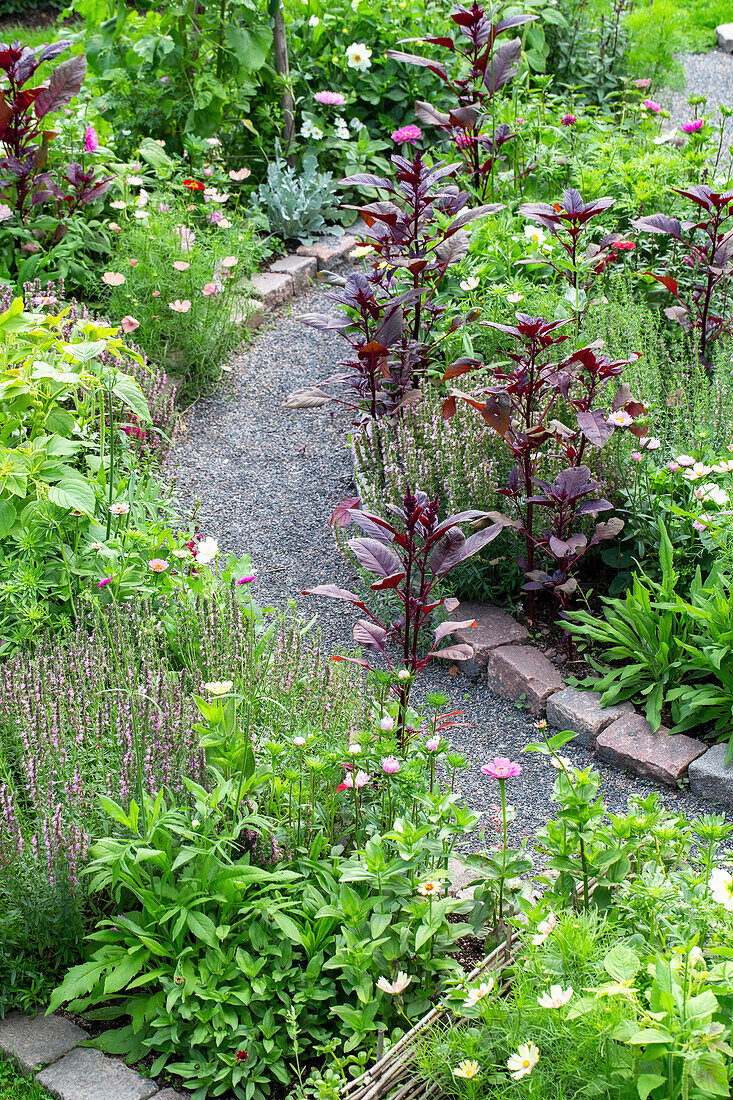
(128, 323)
(105, 581)
(330, 99)
(248, 579)
(652, 105)
(409, 134)
(91, 141)
(158, 565)
(643, 83)
(390, 765)
(693, 125)
(568, 120)
(501, 767)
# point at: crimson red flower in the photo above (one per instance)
(623, 246)
(194, 185)
(242, 1056)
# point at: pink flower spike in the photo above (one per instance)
(501, 767)
(408, 134)
(248, 579)
(693, 125)
(652, 105)
(91, 141)
(390, 765)
(128, 323)
(637, 456)
(105, 581)
(330, 99)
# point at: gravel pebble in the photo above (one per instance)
(266, 481)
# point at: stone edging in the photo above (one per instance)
(48, 1048)
(290, 276)
(618, 735)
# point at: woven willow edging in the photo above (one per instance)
(384, 1077)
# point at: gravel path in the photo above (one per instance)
(709, 74)
(266, 481)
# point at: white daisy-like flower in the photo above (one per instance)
(358, 56)
(478, 992)
(207, 550)
(619, 419)
(469, 283)
(556, 998)
(535, 234)
(544, 928)
(523, 1062)
(399, 985)
(720, 886)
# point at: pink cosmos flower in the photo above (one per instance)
(105, 581)
(390, 765)
(673, 466)
(637, 456)
(91, 141)
(643, 83)
(181, 265)
(209, 289)
(133, 262)
(240, 175)
(409, 134)
(501, 767)
(432, 744)
(248, 579)
(698, 526)
(128, 323)
(330, 99)
(568, 120)
(156, 294)
(693, 125)
(180, 306)
(652, 105)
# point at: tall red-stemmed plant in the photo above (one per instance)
(389, 315)
(409, 554)
(702, 304)
(480, 71)
(523, 406)
(24, 139)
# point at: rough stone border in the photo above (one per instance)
(290, 276)
(515, 669)
(48, 1048)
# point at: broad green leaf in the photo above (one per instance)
(202, 927)
(621, 963)
(79, 981)
(7, 517)
(131, 396)
(287, 926)
(649, 1035)
(647, 1082)
(709, 1073)
(74, 493)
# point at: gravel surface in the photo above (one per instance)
(266, 480)
(709, 74)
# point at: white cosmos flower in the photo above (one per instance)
(523, 1062)
(400, 983)
(313, 21)
(534, 233)
(469, 283)
(723, 467)
(206, 551)
(543, 929)
(556, 998)
(696, 471)
(720, 885)
(478, 992)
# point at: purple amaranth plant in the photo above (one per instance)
(409, 555)
(388, 316)
(523, 406)
(24, 141)
(707, 245)
(481, 71)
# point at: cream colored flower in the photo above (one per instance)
(361, 251)
(560, 762)
(478, 992)
(467, 1069)
(535, 234)
(219, 687)
(543, 929)
(358, 57)
(119, 508)
(523, 1062)
(399, 985)
(556, 998)
(720, 886)
(113, 278)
